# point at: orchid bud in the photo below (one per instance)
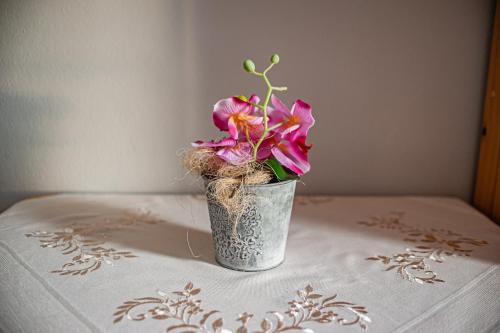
(275, 58)
(249, 66)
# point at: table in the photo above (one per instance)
(144, 263)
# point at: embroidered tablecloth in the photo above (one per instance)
(127, 263)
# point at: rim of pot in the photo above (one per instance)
(272, 184)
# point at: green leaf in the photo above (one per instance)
(278, 170)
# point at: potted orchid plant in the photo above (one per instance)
(250, 174)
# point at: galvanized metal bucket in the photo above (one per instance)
(262, 229)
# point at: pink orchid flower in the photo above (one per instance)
(299, 120)
(290, 150)
(234, 115)
(230, 150)
(238, 154)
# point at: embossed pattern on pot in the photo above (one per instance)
(262, 229)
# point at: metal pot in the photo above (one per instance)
(262, 229)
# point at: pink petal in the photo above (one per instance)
(275, 118)
(255, 110)
(256, 120)
(290, 129)
(264, 151)
(233, 128)
(303, 111)
(279, 105)
(254, 99)
(226, 142)
(279, 114)
(224, 108)
(255, 132)
(237, 155)
(290, 155)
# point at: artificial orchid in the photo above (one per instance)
(235, 115)
(260, 132)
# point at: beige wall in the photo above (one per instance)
(100, 95)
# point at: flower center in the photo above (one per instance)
(292, 121)
(242, 120)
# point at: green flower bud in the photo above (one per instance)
(249, 66)
(275, 58)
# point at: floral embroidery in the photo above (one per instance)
(432, 245)
(186, 314)
(86, 240)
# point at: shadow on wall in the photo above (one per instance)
(92, 97)
(26, 145)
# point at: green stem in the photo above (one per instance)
(267, 69)
(248, 138)
(280, 88)
(263, 107)
(256, 105)
(264, 110)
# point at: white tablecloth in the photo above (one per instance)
(119, 263)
